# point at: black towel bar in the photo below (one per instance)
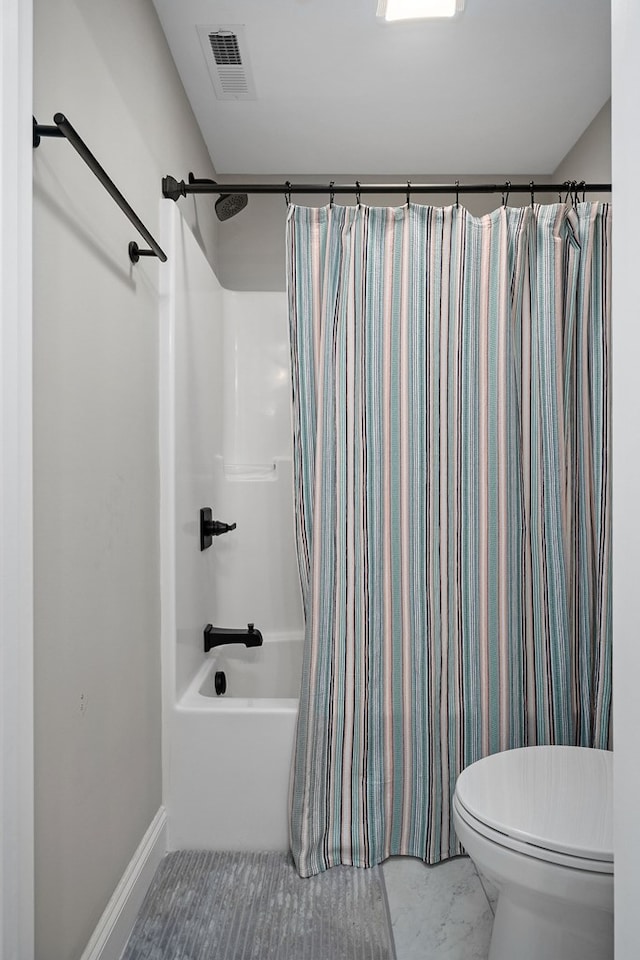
(63, 128)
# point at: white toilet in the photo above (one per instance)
(538, 821)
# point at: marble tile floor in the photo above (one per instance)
(441, 912)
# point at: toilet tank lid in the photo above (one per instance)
(557, 798)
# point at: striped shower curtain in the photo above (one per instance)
(453, 498)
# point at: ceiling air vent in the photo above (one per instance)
(224, 48)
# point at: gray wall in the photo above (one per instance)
(590, 158)
(97, 621)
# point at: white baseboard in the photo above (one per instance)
(116, 923)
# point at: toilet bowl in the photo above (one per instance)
(538, 821)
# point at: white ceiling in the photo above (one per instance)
(508, 86)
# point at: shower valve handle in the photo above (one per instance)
(210, 528)
(216, 527)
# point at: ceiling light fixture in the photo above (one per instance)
(418, 9)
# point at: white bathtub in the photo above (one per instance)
(230, 755)
(269, 674)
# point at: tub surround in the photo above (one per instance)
(227, 444)
(225, 427)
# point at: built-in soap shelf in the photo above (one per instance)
(250, 472)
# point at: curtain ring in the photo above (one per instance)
(287, 195)
(408, 192)
(567, 184)
(457, 194)
(331, 193)
(574, 193)
(583, 184)
(505, 196)
(532, 188)
(358, 196)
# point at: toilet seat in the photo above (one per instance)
(549, 803)
(529, 849)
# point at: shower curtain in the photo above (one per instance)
(452, 492)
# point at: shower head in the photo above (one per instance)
(228, 204)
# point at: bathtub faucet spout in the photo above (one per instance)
(216, 636)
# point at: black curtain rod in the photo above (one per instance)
(63, 128)
(173, 189)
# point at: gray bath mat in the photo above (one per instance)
(254, 906)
